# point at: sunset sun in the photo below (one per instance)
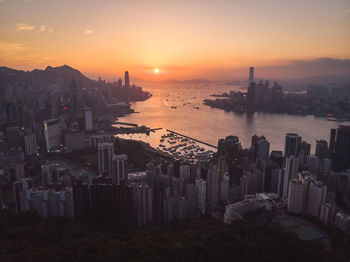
(156, 70)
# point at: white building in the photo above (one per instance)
(88, 119)
(94, 140)
(120, 169)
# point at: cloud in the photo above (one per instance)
(24, 27)
(42, 28)
(88, 32)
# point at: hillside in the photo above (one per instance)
(28, 238)
(59, 76)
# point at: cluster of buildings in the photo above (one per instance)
(234, 183)
(54, 110)
(263, 97)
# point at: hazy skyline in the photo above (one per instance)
(184, 39)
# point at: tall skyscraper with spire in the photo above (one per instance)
(251, 74)
(127, 82)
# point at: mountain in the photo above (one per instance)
(58, 76)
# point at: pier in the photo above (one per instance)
(125, 124)
(155, 129)
(196, 140)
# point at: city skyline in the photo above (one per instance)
(182, 39)
(175, 130)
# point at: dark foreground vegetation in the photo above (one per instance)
(27, 237)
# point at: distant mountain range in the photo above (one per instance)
(61, 75)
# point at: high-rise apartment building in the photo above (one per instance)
(120, 169)
(312, 164)
(52, 133)
(251, 74)
(105, 158)
(201, 194)
(317, 193)
(296, 196)
(339, 147)
(213, 186)
(30, 144)
(290, 172)
(321, 150)
(88, 119)
(292, 143)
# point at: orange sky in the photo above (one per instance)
(183, 38)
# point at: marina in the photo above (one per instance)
(182, 147)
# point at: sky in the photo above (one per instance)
(182, 38)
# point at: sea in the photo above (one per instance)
(179, 107)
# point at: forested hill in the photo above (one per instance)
(28, 238)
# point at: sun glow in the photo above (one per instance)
(156, 70)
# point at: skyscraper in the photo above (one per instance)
(213, 192)
(339, 146)
(52, 133)
(296, 196)
(251, 97)
(88, 119)
(251, 74)
(120, 169)
(321, 149)
(312, 164)
(111, 205)
(291, 146)
(224, 187)
(105, 158)
(316, 197)
(126, 80)
(201, 194)
(263, 149)
(143, 204)
(290, 173)
(30, 144)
